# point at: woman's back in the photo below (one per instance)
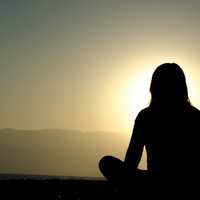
(171, 139)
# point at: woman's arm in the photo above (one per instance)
(136, 145)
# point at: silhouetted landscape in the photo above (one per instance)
(75, 77)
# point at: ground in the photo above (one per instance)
(57, 189)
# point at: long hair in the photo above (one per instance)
(168, 86)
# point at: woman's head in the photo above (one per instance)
(168, 85)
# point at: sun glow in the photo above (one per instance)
(193, 89)
(137, 95)
(134, 96)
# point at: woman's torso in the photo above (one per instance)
(171, 140)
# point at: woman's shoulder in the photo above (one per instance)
(144, 113)
(192, 109)
(193, 114)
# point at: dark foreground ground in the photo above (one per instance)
(89, 188)
(53, 189)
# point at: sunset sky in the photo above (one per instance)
(87, 64)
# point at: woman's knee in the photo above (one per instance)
(108, 163)
(104, 162)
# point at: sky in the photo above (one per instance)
(87, 65)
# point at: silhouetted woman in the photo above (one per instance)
(168, 128)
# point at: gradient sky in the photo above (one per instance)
(87, 64)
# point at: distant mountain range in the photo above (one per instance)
(58, 152)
